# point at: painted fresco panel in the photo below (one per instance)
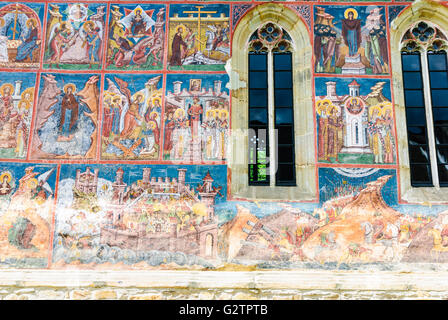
(26, 212)
(66, 121)
(132, 110)
(350, 40)
(75, 35)
(199, 37)
(141, 215)
(17, 100)
(354, 121)
(21, 34)
(136, 39)
(196, 117)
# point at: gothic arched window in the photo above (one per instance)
(425, 83)
(271, 114)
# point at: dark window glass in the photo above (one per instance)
(416, 117)
(283, 98)
(442, 154)
(282, 61)
(283, 79)
(284, 176)
(417, 135)
(419, 154)
(412, 80)
(258, 120)
(258, 98)
(421, 175)
(440, 116)
(258, 117)
(441, 134)
(414, 98)
(258, 80)
(283, 116)
(258, 62)
(443, 175)
(439, 97)
(437, 61)
(439, 80)
(419, 157)
(285, 134)
(410, 62)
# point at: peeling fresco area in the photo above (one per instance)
(115, 127)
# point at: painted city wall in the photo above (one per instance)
(115, 123)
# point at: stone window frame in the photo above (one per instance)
(437, 14)
(304, 126)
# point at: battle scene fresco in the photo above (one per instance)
(350, 40)
(21, 34)
(138, 215)
(136, 37)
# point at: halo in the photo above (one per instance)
(355, 13)
(27, 104)
(137, 95)
(210, 113)
(331, 107)
(153, 113)
(180, 27)
(178, 112)
(152, 125)
(2, 22)
(32, 183)
(31, 20)
(154, 100)
(88, 23)
(223, 112)
(10, 86)
(322, 106)
(5, 174)
(371, 109)
(70, 85)
(30, 91)
(137, 9)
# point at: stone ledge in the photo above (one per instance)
(269, 280)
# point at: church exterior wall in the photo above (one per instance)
(123, 142)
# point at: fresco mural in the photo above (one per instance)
(354, 121)
(136, 39)
(138, 215)
(16, 105)
(350, 40)
(66, 121)
(114, 128)
(132, 110)
(196, 117)
(21, 34)
(74, 36)
(26, 211)
(199, 37)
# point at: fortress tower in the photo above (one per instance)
(87, 181)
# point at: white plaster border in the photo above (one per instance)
(271, 280)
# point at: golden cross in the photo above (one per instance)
(14, 30)
(199, 21)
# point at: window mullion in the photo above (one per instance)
(271, 121)
(429, 119)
